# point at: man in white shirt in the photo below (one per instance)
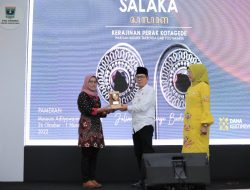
(143, 116)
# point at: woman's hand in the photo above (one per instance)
(204, 129)
(103, 110)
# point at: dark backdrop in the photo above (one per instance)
(118, 164)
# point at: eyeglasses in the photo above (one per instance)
(92, 82)
(140, 76)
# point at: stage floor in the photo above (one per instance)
(108, 186)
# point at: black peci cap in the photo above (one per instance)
(142, 70)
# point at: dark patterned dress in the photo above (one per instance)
(90, 126)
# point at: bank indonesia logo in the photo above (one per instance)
(171, 72)
(116, 72)
(10, 12)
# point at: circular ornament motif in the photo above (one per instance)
(116, 72)
(174, 80)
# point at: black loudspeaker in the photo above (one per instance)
(175, 168)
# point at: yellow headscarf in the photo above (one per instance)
(199, 72)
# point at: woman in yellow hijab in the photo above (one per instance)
(197, 116)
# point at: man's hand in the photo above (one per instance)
(124, 107)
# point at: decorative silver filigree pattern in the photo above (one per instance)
(116, 72)
(174, 63)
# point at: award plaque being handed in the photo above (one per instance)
(114, 100)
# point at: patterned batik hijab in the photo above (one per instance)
(199, 73)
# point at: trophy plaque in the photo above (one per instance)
(114, 100)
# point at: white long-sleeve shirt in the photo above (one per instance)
(143, 108)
